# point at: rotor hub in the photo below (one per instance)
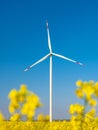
(51, 54)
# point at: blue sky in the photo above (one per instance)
(23, 40)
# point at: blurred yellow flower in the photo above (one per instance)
(76, 109)
(96, 85)
(30, 115)
(13, 106)
(25, 101)
(27, 107)
(79, 109)
(91, 82)
(90, 115)
(40, 117)
(23, 88)
(11, 109)
(13, 94)
(47, 118)
(79, 83)
(15, 117)
(92, 102)
(92, 112)
(88, 90)
(88, 97)
(21, 98)
(72, 109)
(33, 98)
(22, 93)
(2, 118)
(96, 89)
(79, 93)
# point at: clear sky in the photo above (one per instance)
(73, 28)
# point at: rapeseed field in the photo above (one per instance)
(23, 103)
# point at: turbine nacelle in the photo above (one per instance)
(51, 54)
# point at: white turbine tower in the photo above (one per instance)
(44, 58)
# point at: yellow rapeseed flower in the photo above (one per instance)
(11, 109)
(91, 82)
(15, 117)
(88, 90)
(22, 93)
(92, 112)
(79, 108)
(88, 97)
(96, 89)
(2, 118)
(25, 108)
(14, 105)
(89, 116)
(92, 102)
(40, 117)
(76, 109)
(21, 98)
(13, 94)
(79, 83)
(23, 88)
(30, 115)
(79, 93)
(72, 109)
(47, 118)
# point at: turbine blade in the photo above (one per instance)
(63, 57)
(49, 42)
(42, 59)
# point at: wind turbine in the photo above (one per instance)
(44, 58)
